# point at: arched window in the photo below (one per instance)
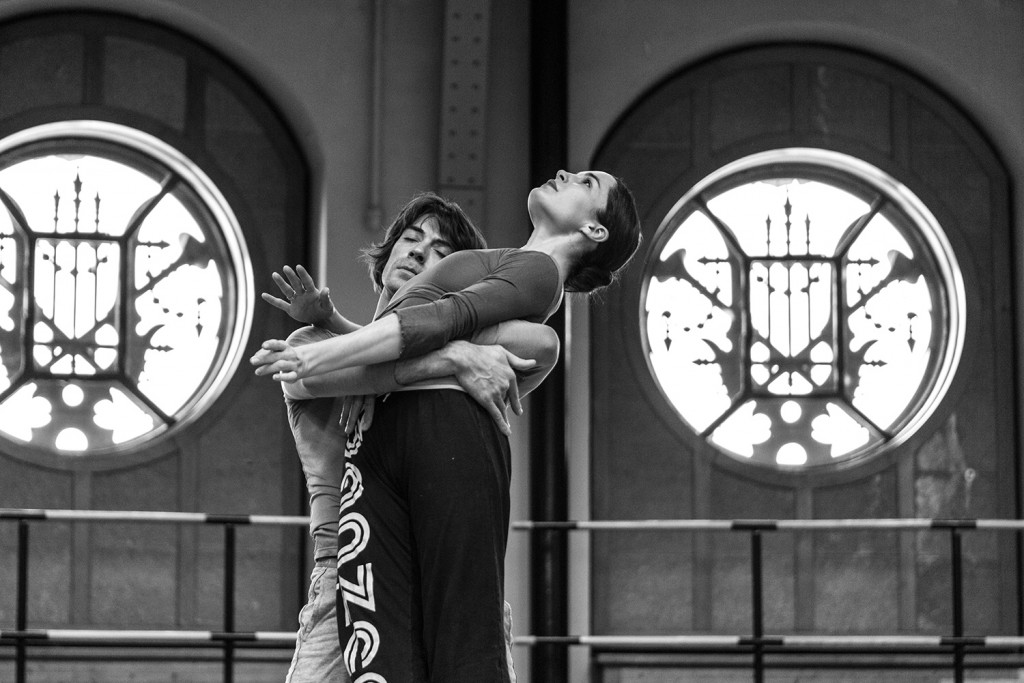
(802, 309)
(147, 181)
(819, 325)
(126, 288)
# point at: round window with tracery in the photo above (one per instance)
(125, 289)
(802, 309)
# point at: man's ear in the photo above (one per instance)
(595, 232)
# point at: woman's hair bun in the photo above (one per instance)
(588, 278)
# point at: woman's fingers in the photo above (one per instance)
(293, 279)
(305, 279)
(274, 356)
(283, 285)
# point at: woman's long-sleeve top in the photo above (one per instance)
(473, 289)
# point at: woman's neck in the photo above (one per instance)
(559, 247)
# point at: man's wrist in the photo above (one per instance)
(455, 355)
(436, 364)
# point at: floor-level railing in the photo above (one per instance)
(757, 644)
(228, 640)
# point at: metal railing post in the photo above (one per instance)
(956, 560)
(757, 598)
(21, 616)
(229, 602)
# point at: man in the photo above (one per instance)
(425, 231)
(422, 543)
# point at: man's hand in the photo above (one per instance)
(279, 358)
(487, 373)
(304, 301)
(356, 410)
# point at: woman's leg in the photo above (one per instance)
(459, 475)
(424, 524)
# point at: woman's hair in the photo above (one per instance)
(599, 267)
(452, 223)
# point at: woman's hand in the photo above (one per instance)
(304, 301)
(279, 358)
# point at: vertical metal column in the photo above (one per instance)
(956, 560)
(548, 471)
(757, 603)
(21, 616)
(229, 602)
(1018, 536)
(461, 168)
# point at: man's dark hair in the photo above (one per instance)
(452, 223)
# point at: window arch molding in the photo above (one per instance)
(763, 97)
(88, 66)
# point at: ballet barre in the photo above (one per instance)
(756, 644)
(71, 636)
(227, 640)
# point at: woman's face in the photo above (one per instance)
(569, 201)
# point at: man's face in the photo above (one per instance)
(419, 247)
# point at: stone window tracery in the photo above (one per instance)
(803, 310)
(125, 289)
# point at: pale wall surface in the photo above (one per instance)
(968, 48)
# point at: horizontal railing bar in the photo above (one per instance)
(881, 640)
(582, 525)
(194, 655)
(628, 525)
(769, 524)
(149, 516)
(691, 640)
(115, 635)
(809, 660)
(633, 641)
(1013, 524)
(777, 661)
(776, 641)
(1004, 641)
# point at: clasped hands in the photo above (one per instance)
(486, 373)
(279, 359)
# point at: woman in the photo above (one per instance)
(426, 502)
(570, 248)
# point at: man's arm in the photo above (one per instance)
(537, 342)
(488, 374)
(490, 369)
(534, 345)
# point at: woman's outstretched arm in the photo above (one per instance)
(378, 342)
(466, 292)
